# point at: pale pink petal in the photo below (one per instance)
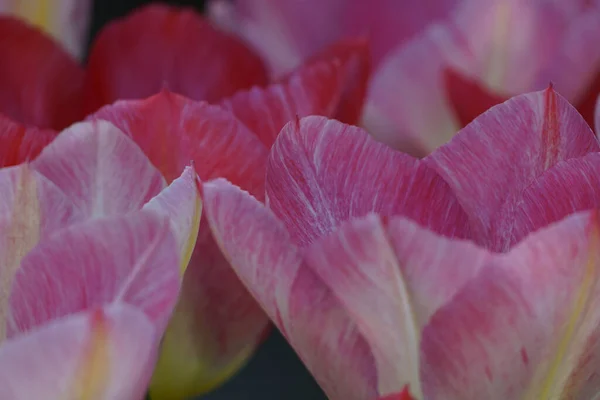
(406, 106)
(264, 257)
(130, 259)
(392, 276)
(322, 172)
(66, 20)
(31, 209)
(568, 187)
(527, 326)
(103, 354)
(504, 150)
(100, 169)
(181, 203)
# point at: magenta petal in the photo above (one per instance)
(504, 150)
(322, 172)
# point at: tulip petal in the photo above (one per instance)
(527, 326)
(353, 56)
(567, 188)
(196, 60)
(392, 276)
(100, 169)
(508, 147)
(313, 90)
(311, 318)
(322, 172)
(66, 20)
(19, 143)
(41, 84)
(31, 208)
(181, 203)
(100, 354)
(173, 130)
(127, 259)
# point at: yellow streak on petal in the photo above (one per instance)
(38, 13)
(93, 373)
(498, 56)
(187, 366)
(23, 233)
(193, 236)
(568, 349)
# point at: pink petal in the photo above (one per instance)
(181, 203)
(19, 143)
(391, 277)
(322, 172)
(31, 209)
(100, 169)
(504, 150)
(527, 326)
(567, 188)
(41, 84)
(264, 257)
(101, 354)
(196, 60)
(173, 130)
(66, 20)
(314, 89)
(128, 259)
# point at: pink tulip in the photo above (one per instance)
(359, 255)
(92, 245)
(437, 64)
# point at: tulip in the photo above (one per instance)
(92, 245)
(67, 21)
(437, 64)
(360, 255)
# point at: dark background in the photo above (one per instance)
(275, 372)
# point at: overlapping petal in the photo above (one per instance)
(100, 169)
(104, 353)
(525, 328)
(160, 47)
(31, 209)
(322, 172)
(508, 148)
(130, 259)
(41, 84)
